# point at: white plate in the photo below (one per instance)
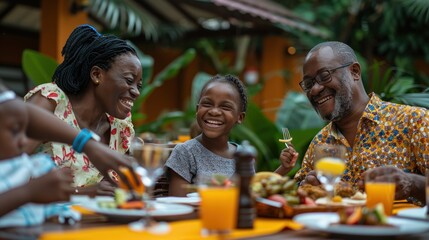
(195, 201)
(419, 213)
(323, 222)
(161, 210)
(193, 194)
(345, 202)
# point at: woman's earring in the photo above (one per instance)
(96, 82)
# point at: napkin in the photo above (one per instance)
(18, 171)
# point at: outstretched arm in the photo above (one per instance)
(45, 126)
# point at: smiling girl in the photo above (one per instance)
(222, 104)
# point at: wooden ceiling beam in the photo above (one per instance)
(8, 30)
(6, 11)
(185, 13)
(143, 4)
(31, 3)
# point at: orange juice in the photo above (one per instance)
(218, 210)
(330, 166)
(380, 192)
(138, 187)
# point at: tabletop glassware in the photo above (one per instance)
(380, 190)
(329, 165)
(219, 203)
(149, 159)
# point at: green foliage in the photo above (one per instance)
(167, 73)
(260, 132)
(418, 8)
(297, 114)
(179, 119)
(38, 67)
(147, 63)
(397, 86)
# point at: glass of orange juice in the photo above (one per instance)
(329, 165)
(380, 190)
(219, 203)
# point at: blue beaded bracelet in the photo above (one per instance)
(82, 138)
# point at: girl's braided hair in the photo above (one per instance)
(236, 83)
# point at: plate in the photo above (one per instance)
(193, 194)
(323, 222)
(160, 210)
(274, 209)
(418, 213)
(194, 201)
(345, 202)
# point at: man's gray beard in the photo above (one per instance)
(343, 104)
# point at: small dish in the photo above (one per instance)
(193, 194)
(193, 201)
(327, 222)
(417, 213)
(160, 211)
(344, 202)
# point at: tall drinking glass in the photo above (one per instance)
(219, 203)
(329, 165)
(149, 165)
(380, 190)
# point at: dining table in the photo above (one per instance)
(186, 226)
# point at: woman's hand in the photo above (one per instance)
(103, 188)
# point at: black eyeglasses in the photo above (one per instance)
(322, 77)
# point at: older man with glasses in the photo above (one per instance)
(378, 135)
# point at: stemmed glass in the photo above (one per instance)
(329, 165)
(149, 165)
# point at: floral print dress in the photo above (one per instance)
(85, 173)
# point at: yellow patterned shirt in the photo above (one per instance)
(387, 134)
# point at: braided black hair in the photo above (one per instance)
(84, 49)
(233, 81)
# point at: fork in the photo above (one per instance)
(287, 138)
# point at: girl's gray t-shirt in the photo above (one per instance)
(191, 159)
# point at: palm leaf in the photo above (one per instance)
(415, 99)
(417, 8)
(38, 67)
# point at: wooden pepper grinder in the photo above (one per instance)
(244, 169)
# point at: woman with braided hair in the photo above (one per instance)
(93, 89)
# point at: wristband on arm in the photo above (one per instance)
(82, 138)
